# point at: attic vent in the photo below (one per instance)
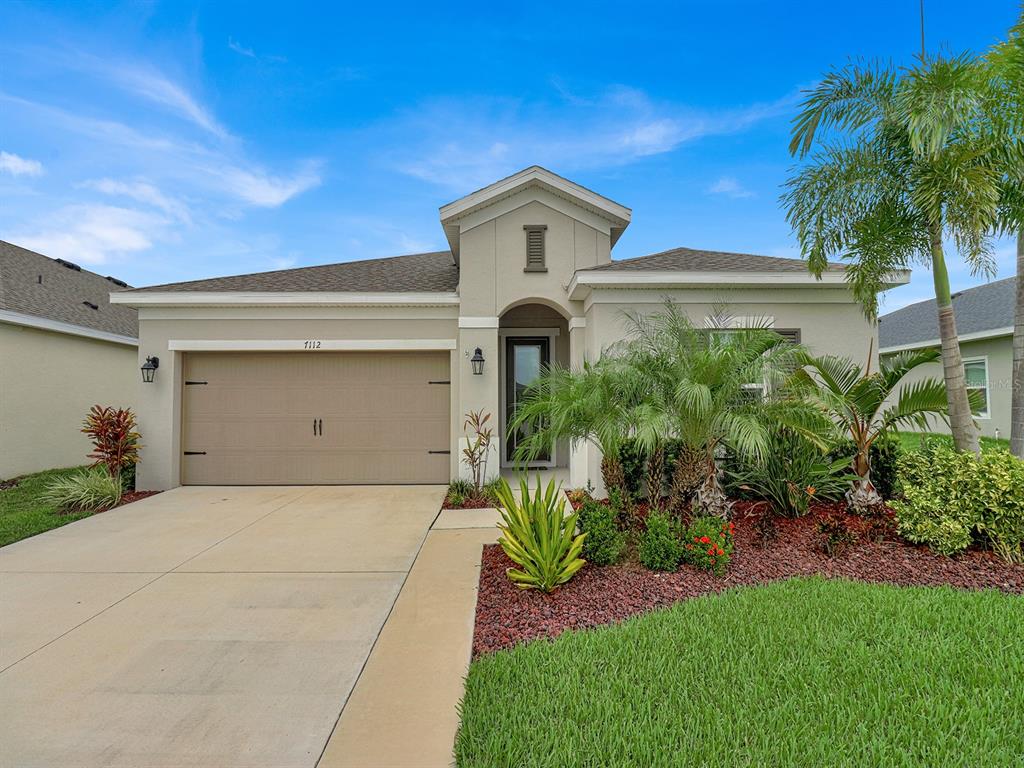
(69, 265)
(90, 305)
(535, 256)
(115, 281)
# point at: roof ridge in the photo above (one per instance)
(955, 295)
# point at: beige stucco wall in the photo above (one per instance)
(160, 402)
(999, 353)
(48, 382)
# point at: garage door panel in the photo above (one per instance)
(383, 421)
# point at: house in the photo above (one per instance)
(63, 348)
(361, 372)
(984, 320)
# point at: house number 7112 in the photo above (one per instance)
(311, 345)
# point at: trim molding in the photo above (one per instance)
(994, 333)
(45, 324)
(478, 322)
(309, 345)
(577, 322)
(296, 298)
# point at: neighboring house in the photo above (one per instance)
(984, 322)
(63, 348)
(362, 372)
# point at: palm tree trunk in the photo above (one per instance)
(655, 475)
(961, 420)
(1017, 382)
(710, 496)
(614, 478)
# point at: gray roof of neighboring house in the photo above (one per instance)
(431, 272)
(694, 260)
(984, 308)
(36, 285)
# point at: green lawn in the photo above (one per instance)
(805, 672)
(22, 514)
(911, 441)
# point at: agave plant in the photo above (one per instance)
(538, 536)
(869, 405)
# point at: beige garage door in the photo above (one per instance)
(268, 418)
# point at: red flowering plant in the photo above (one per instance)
(708, 543)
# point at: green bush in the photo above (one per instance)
(709, 543)
(634, 466)
(91, 490)
(885, 455)
(605, 542)
(793, 473)
(949, 498)
(538, 536)
(660, 548)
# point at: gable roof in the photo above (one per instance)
(694, 260)
(54, 290)
(433, 272)
(986, 310)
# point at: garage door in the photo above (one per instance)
(273, 418)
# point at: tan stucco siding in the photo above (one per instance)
(999, 354)
(48, 382)
(160, 402)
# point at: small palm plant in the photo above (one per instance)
(537, 535)
(867, 406)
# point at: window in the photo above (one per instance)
(977, 382)
(535, 257)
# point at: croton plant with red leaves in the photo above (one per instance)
(114, 439)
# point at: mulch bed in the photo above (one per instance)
(5, 484)
(469, 504)
(507, 615)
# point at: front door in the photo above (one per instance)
(525, 358)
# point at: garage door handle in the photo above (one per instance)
(321, 427)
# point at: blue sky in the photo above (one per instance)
(167, 141)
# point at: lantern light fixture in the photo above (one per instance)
(149, 369)
(477, 361)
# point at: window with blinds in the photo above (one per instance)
(535, 256)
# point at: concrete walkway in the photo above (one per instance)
(201, 627)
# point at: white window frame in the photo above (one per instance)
(985, 415)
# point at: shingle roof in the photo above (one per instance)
(431, 272)
(984, 308)
(692, 260)
(36, 285)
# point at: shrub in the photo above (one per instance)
(478, 446)
(537, 535)
(91, 490)
(950, 497)
(605, 542)
(114, 439)
(885, 455)
(709, 544)
(836, 533)
(634, 463)
(660, 548)
(792, 474)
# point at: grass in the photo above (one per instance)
(911, 441)
(23, 514)
(804, 672)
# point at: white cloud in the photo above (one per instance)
(93, 234)
(263, 189)
(466, 143)
(159, 89)
(19, 166)
(237, 47)
(144, 192)
(729, 187)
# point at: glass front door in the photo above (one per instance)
(525, 358)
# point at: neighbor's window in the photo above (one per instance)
(535, 256)
(977, 381)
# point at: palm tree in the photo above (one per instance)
(702, 387)
(595, 403)
(905, 169)
(867, 406)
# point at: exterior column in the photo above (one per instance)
(579, 454)
(479, 392)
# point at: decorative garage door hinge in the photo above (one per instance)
(195, 453)
(190, 383)
(439, 382)
(447, 452)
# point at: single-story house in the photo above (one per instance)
(362, 372)
(984, 321)
(63, 348)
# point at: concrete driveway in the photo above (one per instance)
(200, 627)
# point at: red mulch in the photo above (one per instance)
(129, 496)
(468, 504)
(507, 615)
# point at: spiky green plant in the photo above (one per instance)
(91, 490)
(867, 406)
(537, 535)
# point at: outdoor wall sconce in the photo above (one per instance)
(477, 361)
(149, 369)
